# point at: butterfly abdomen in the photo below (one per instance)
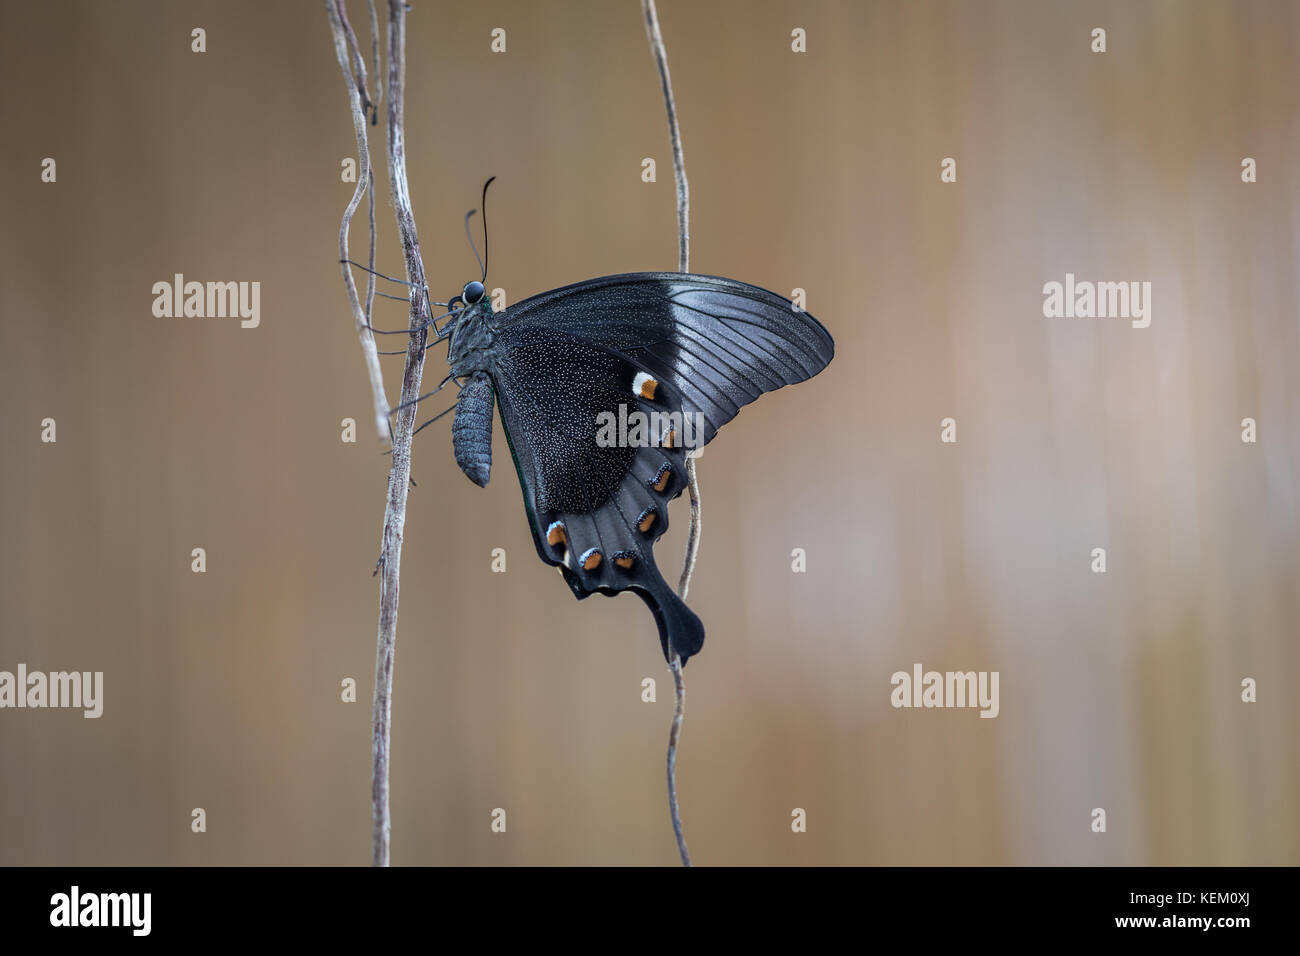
(471, 431)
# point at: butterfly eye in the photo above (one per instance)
(473, 292)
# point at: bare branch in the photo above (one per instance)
(674, 736)
(683, 256)
(365, 180)
(374, 53)
(693, 538)
(358, 62)
(400, 476)
(374, 117)
(679, 161)
(390, 554)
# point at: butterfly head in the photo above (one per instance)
(468, 329)
(470, 303)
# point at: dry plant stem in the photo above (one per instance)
(364, 180)
(374, 55)
(370, 277)
(683, 253)
(679, 162)
(366, 101)
(660, 54)
(358, 63)
(674, 735)
(403, 430)
(368, 106)
(693, 536)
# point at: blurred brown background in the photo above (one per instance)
(819, 171)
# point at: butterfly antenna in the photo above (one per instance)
(483, 204)
(482, 260)
(468, 236)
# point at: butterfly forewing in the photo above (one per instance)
(721, 342)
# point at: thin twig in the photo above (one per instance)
(660, 54)
(403, 430)
(365, 179)
(371, 275)
(683, 255)
(674, 735)
(374, 54)
(693, 536)
(390, 554)
(679, 162)
(370, 189)
(358, 62)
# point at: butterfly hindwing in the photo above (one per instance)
(658, 344)
(595, 506)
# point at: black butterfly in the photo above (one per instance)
(568, 366)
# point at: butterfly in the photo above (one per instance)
(603, 388)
